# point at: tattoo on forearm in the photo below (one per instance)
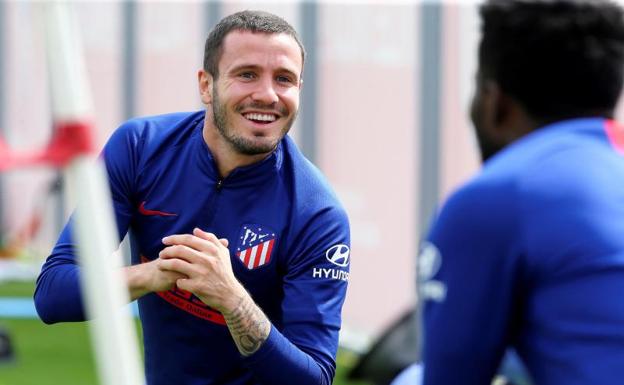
(248, 325)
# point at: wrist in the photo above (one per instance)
(234, 301)
(137, 281)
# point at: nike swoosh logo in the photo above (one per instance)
(145, 211)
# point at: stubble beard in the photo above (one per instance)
(240, 144)
(487, 147)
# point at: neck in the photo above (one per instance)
(225, 156)
(588, 113)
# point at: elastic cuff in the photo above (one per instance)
(267, 347)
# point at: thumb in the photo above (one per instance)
(224, 242)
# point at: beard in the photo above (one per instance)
(487, 147)
(240, 144)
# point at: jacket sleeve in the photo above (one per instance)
(57, 294)
(468, 279)
(314, 291)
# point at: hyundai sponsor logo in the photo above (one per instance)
(335, 274)
(338, 255)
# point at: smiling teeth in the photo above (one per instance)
(262, 117)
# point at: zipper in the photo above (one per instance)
(210, 207)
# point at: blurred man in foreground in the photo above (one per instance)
(530, 253)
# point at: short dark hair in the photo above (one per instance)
(557, 58)
(253, 21)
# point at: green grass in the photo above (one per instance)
(61, 353)
(17, 289)
(346, 360)
(48, 355)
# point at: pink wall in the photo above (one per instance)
(459, 157)
(368, 149)
(367, 132)
(101, 25)
(170, 45)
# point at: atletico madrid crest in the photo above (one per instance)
(255, 245)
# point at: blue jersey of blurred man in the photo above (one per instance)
(530, 253)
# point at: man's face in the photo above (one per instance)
(483, 119)
(255, 99)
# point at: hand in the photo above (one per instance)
(204, 263)
(147, 277)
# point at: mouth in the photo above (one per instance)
(261, 118)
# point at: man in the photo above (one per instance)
(241, 252)
(530, 253)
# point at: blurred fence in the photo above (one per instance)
(383, 114)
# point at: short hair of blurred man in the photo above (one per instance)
(556, 59)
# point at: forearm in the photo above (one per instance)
(248, 325)
(57, 294)
(261, 344)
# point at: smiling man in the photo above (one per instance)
(232, 228)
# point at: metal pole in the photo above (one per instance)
(212, 15)
(129, 86)
(129, 55)
(309, 34)
(430, 84)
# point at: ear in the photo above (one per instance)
(205, 80)
(504, 108)
(499, 110)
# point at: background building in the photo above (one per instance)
(384, 114)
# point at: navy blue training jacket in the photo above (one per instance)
(289, 245)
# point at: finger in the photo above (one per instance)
(175, 265)
(192, 241)
(210, 237)
(173, 275)
(185, 284)
(182, 252)
(224, 242)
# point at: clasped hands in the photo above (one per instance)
(200, 263)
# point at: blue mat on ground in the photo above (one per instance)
(25, 308)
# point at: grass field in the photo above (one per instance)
(61, 355)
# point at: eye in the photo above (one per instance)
(285, 79)
(247, 75)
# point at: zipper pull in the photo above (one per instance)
(219, 184)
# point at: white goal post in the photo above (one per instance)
(113, 334)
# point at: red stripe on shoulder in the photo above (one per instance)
(615, 133)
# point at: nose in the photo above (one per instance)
(265, 92)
